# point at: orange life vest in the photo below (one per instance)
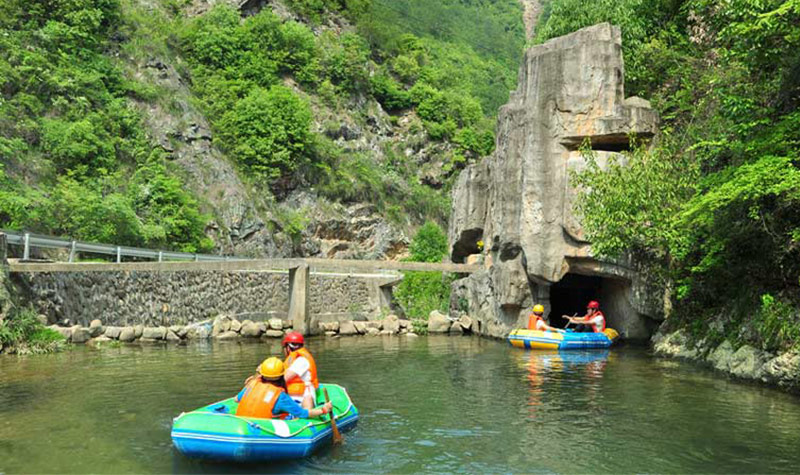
(296, 386)
(598, 328)
(259, 399)
(533, 321)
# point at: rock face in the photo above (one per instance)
(519, 200)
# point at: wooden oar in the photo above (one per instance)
(337, 437)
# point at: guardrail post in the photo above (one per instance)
(160, 256)
(298, 298)
(3, 250)
(72, 250)
(196, 258)
(26, 253)
(119, 254)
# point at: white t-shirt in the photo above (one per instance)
(597, 321)
(302, 368)
(540, 325)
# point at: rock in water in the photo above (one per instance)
(127, 334)
(80, 334)
(250, 329)
(347, 328)
(275, 324)
(391, 324)
(438, 323)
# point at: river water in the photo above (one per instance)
(430, 404)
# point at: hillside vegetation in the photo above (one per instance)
(713, 210)
(77, 157)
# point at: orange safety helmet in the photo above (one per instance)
(294, 338)
(593, 304)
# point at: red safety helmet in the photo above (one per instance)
(593, 304)
(294, 338)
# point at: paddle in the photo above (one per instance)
(337, 437)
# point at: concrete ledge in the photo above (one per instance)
(255, 265)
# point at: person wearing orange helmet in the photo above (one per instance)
(536, 320)
(593, 320)
(264, 395)
(301, 370)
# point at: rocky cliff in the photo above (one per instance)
(519, 200)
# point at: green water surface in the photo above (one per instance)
(430, 404)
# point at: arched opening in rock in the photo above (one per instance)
(466, 245)
(570, 295)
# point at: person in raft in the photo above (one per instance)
(264, 396)
(301, 370)
(536, 321)
(594, 320)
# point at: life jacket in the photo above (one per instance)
(533, 321)
(296, 386)
(259, 399)
(598, 328)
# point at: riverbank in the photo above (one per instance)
(226, 327)
(746, 362)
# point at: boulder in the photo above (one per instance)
(720, 358)
(391, 324)
(262, 327)
(387, 332)
(361, 327)
(784, 370)
(373, 331)
(274, 333)
(198, 332)
(411, 335)
(378, 325)
(127, 334)
(347, 328)
(80, 334)
(221, 324)
(287, 324)
(329, 326)
(172, 336)
(42, 319)
(250, 329)
(154, 333)
(138, 330)
(99, 340)
(330, 333)
(228, 335)
(456, 328)
(438, 323)
(236, 325)
(275, 324)
(466, 322)
(96, 328)
(113, 332)
(183, 331)
(175, 329)
(66, 332)
(748, 363)
(405, 324)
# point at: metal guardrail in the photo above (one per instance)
(31, 240)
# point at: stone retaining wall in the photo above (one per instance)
(155, 299)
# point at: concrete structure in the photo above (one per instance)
(303, 292)
(519, 200)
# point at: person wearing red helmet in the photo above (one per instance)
(594, 318)
(301, 370)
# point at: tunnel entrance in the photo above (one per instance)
(570, 296)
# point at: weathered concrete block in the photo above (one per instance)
(361, 327)
(157, 333)
(80, 334)
(113, 332)
(127, 334)
(378, 325)
(347, 328)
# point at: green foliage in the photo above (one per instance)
(419, 293)
(268, 131)
(429, 244)
(716, 202)
(22, 333)
(73, 148)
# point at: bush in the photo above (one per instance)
(268, 131)
(419, 293)
(22, 333)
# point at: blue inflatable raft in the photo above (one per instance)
(214, 432)
(545, 340)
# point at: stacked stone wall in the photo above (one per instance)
(152, 298)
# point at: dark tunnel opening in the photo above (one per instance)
(570, 295)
